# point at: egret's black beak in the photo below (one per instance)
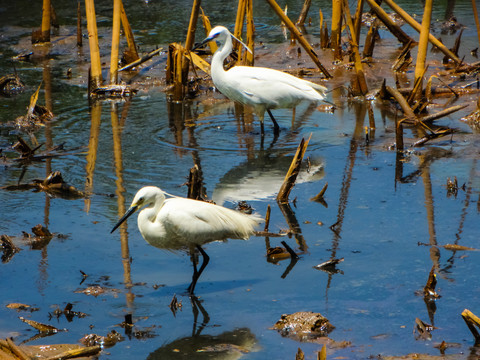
(125, 217)
(208, 39)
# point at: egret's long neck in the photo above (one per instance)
(217, 70)
(147, 224)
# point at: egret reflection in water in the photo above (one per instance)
(261, 178)
(229, 345)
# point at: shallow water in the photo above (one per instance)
(381, 216)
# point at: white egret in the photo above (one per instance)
(179, 223)
(259, 87)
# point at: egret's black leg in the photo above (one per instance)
(196, 274)
(276, 128)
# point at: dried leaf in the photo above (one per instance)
(43, 328)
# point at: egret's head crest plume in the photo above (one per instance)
(215, 33)
(241, 42)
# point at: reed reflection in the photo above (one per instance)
(95, 113)
(117, 126)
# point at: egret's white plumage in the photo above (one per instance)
(180, 223)
(259, 87)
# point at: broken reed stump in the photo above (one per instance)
(303, 14)
(322, 354)
(43, 35)
(320, 196)
(130, 54)
(335, 38)
(291, 176)
(195, 184)
(473, 322)
(370, 40)
(267, 218)
(175, 70)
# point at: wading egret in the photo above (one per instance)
(179, 223)
(259, 87)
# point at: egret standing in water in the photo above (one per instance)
(259, 87)
(179, 223)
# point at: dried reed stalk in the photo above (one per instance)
(174, 70)
(17, 350)
(79, 25)
(407, 110)
(477, 21)
(399, 135)
(394, 28)
(298, 35)
(208, 27)
(249, 56)
(185, 63)
(291, 176)
(96, 68)
(46, 15)
(423, 47)
(192, 25)
(141, 60)
(370, 40)
(180, 60)
(324, 38)
(358, 20)
(132, 47)
(472, 322)
(362, 82)
(413, 23)
(239, 24)
(117, 7)
(304, 12)
(417, 87)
